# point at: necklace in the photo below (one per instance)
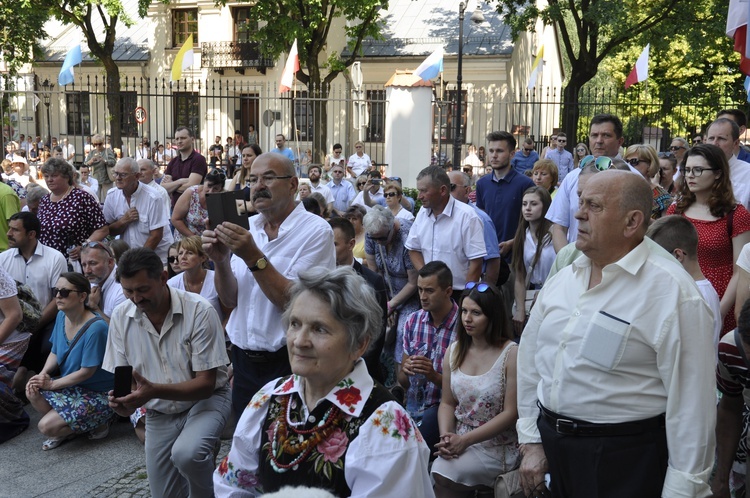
(301, 442)
(189, 287)
(64, 195)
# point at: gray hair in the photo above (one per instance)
(683, 141)
(59, 167)
(129, 162)
(147, 162)
(378, 219)
(437, 175)
(352, 301)
(35, 192)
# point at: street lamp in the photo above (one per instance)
(47, 88)
(477, 18)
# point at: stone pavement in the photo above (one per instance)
(112, 467)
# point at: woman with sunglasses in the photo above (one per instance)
(75, 402)
(173, 260)
(533, 252)
(190, 215)
(645, 159)
(387, 255)
(581, 151)
(706, 198)
(477, 414)
(393, 195)
(361, 182)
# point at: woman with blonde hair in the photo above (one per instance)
(645, 159)
(545, 174)
(581, 151)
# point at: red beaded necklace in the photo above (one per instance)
(302, 441)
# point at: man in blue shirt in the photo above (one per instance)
(525, 157)
(562, 158)
(281, 147)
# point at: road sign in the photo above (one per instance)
(140, 115)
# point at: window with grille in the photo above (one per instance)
(244, 25)
(79, 113)
(376, 123)
(128, 103)
(184, 24)
(186, 111)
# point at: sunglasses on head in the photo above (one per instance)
(479, 286)
(64, 293)
(94, 244)
(602, 163)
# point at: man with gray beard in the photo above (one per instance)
(254, 270)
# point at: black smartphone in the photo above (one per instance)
(222, 206)
(123, 381)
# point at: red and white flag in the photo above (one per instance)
(737, 17)
(640, 71)
(290, 69)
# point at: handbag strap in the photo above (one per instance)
(385, 269)
(76, 338)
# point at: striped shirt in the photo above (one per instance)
(732, 374)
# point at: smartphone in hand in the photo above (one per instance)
(123, 381)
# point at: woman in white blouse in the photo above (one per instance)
(329, 425)
(393, 195)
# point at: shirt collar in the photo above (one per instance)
(631, 262)
(350, 394)
(507, 178)
(447, 322)
(447, 210)
(288, 223)
(175, 307)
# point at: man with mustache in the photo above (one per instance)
(254, 270)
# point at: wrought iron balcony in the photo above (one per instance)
(233, 55)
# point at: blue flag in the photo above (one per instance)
(66, 73)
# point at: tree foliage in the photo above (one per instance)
(591, 31)
(21, 23)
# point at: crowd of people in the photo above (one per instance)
(559, 318)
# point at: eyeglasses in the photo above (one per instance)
(390, 194)
(527, 150)
(268, 180)
(561, 140)
(64, 293)
(666, 155)
(675, 148)
(479, 286)
(96, 144)
(359, 184)
(94, 244)
(602, 163)
(580, 150)
(634, 161)
(697, 171)
(118, 174)
(172, 259)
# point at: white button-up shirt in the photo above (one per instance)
(111, 293)
(304, 241)
(151, 215)
(40, 272)
(636, 345)
(739, 174)
(454, 237)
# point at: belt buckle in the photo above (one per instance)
(565, 426)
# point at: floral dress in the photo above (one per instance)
(196, 217)
(480, 399)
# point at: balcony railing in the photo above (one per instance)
(233, 55)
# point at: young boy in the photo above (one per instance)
(679, 238)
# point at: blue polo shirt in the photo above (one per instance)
(521, 163)
(501, 199)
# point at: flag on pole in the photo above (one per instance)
(640, 71)
(73, 57)
(290, 69)
(538, 64)
(431, 66)
(183, 60)
(737, 17)
(747, 87)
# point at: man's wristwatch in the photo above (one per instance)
(259, 265)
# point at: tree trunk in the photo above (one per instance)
(114, 102)
(319, 94)
(571, 109)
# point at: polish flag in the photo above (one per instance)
(290, 69)
(640, 71)
(737, 17)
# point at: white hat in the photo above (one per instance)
(19, 159)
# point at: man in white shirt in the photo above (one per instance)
(314, 173)
(147, 169)
(446, 230)
(69, 152)
(372, 192)
(254, 270)
(98, 264)
(342, 190)
(615, 365)
(136, 212)
(725, 134)
(144, 151)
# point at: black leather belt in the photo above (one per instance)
(265, 356)
(575, 427)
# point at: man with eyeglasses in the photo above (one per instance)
(254, 270)
(342, 190)
(725, 134)
(678, 147)
(148, 170)
(525, 158)
(136, 212)
(561, 157)
(98, 264)
(101, 160)
(187, 168)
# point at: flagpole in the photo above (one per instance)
(296, 129)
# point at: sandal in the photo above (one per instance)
(100, 432)
(54, 442)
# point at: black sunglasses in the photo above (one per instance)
(94, 244)
(64, 293)
(172, 259)
(390, 194)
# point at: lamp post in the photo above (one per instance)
(477, 18)
(47, 88)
